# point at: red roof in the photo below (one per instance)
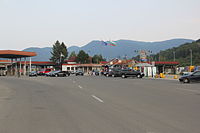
(39, 62)
(104, 62)
(71, 64)
(83, 65)
(163, 62)
(167, 62)
(71, 59)
(5, 60)
(14, 54)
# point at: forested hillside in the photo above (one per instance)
(182, 54)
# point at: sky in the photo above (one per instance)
(39, 23)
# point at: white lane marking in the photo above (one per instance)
(80, 87)
(98, 99)
(195, 91)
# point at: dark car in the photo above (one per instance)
(131, 73)
(60, 74)
(194, 77)
(79, 72)
(114, 73)
(33, 74)
(96, 72)
(106, 73)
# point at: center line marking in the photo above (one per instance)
(80, 87)
(98, 99)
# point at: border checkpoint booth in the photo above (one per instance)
(16, 57)
(149, 70)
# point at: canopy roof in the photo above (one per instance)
(143, 65)
(15, 54)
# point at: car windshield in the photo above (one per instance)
(197, 73)
(33, 72)
(56, 71)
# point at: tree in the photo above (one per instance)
(182, 54)
(59, 54)
(82, 57)
(73, 54)
(97, 59)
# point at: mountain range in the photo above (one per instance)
(123, 48)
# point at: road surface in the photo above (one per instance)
(92, 104)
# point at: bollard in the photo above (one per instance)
(161, 75)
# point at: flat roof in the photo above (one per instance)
(15, 54)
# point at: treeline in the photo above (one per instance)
(83, 57)
(181, 54)
(60, 54)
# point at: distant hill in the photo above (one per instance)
(124, 47)
(43, 54)
(182, 54)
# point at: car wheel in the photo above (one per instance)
(107, 75)
(139, 76)
(113, 75)
(56, 75)
(123, 76)
(186, 80)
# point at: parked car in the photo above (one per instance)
(131, 73)
(32, 74)
(186, 73)
(60, 73)
(79, 72)
(193, 77)
(3, 72)
(113, 73)
(106, 73)
(49, 73)
(96, 72)
(72, 72)
(45, 71)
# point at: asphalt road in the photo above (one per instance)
(92, 104)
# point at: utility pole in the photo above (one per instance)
(174, 55)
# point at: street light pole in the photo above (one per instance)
(191, 57)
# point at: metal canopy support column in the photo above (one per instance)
(30, 65)
(16, 67)
(20, 67)
(163, 68)
(11, 71)
(24, 66)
